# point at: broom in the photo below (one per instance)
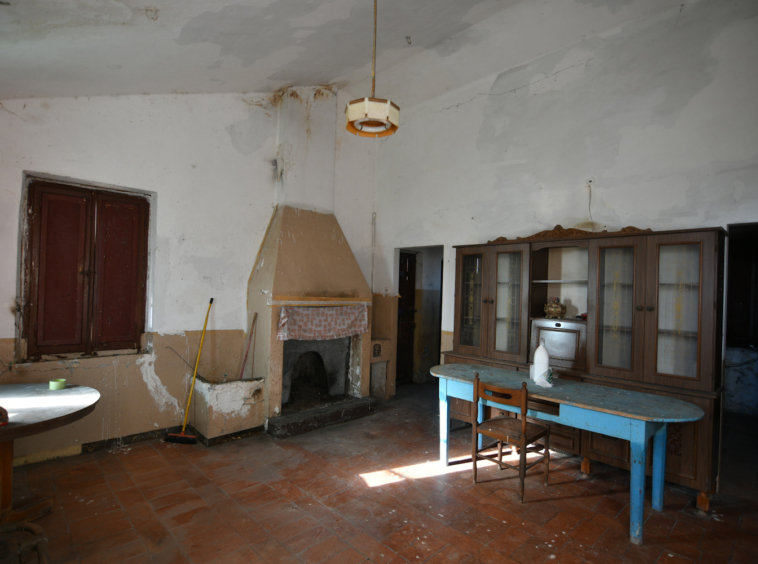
(182, 438)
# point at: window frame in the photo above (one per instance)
(29, 227)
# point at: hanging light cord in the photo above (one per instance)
(373, 61)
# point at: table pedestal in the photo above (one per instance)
(7, 514)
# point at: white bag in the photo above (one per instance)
(545, 380)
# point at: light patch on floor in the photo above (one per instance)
(431, 469)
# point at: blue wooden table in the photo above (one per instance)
(624, 414)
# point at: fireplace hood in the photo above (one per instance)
(305, 260)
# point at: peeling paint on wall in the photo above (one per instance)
(163, 399)
(246, 135)
(229, 398)
(227, 407)
(659, 111)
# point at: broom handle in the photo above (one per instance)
(197, 363)
(250, 340)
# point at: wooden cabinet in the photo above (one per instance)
(681, 300)
(470, 304)
(690, 456)
(491, 309)
(653, 305)
(616, 307)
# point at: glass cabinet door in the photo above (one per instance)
(507, 303)
(680, 303)
(678, 310)
(469, 328)
(616, 312)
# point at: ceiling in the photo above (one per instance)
(62, 48)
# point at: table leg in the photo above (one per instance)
(480, 418)
(7, 513)
(659, 466)
(637, 486)
(6, 475)
(586, 466)
(444, 422)
(703, 502)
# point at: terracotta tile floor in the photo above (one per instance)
(370, 491)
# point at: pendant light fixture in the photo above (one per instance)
(372, 117)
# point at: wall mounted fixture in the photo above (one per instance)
(372, 117)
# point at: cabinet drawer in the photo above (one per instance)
(460, 409)
(603, 448)
(566, 439)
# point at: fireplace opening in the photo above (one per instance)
(314, 374)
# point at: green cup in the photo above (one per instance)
(58, 384)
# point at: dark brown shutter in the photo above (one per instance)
(86, 269)
(120, 262)
(59, 269)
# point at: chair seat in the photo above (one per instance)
(508, 429)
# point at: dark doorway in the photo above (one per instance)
(406, 318)
(742, 291)
(419, 313)
(741, 355)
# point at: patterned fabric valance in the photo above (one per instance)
(322, 323)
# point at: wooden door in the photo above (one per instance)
(680, 306)
(616, 307)
(406, 318)
(507, 304)
(470, 301)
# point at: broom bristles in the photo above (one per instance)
(181, 439)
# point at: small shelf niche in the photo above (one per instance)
(560, 272)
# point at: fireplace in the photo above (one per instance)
(314, 373)
(306, 270)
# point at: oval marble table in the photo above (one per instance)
(32, 409)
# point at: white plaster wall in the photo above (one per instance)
(354, 184)
(657, 105)
(209, 160)
(305, 148)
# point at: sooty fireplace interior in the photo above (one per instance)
(314, 373)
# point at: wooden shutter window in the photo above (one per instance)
(120, 278)
(86, 269)
(62, 254)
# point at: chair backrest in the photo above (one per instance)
(516, 397)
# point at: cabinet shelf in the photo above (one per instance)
(559, 319)
(620, 328)
(559, 281)
(677, 333)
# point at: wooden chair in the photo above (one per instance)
(518, 433)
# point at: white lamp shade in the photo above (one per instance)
(372, 117)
